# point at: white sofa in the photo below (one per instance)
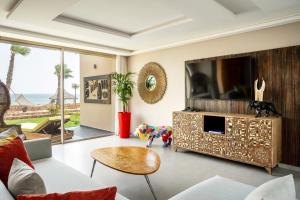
(220, 188)
(216, 188)
(58, 177)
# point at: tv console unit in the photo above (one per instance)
(238, 137)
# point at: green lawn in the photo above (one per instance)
(74, 120)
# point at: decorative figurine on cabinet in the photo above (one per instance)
(259, 105)
(259, 93)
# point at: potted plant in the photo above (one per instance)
(123, 86)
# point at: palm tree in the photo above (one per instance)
(14, 50)
(75, 87)
(67, 74)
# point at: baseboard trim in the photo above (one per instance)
(96, 128)
(290, 167)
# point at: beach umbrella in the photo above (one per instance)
(67, 95)
(23, 101)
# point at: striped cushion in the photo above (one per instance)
(8, 136)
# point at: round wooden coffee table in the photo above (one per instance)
(128, 159)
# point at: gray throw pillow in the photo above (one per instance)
(276, 189)
(23, 179)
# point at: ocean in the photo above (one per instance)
(40, 99)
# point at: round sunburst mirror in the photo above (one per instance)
(152, 83)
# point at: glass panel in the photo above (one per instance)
(72, 94)
(30, 75)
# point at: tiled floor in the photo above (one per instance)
(84, 133)
(177, 172)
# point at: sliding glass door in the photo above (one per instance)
(31, 75)
(45, 83)
(71, 95)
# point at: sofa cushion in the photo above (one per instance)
(4, 193)
(23, 179)
(61, 178)
(276, 189)
(11, 146)
(38, 148)
(100, 194)
(216, 188)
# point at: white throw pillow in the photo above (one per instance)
(276, 189)
(23, 179)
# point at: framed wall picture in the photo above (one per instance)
(97, 89)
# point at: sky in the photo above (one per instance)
(34, 73)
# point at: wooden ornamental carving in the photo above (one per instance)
(246, 139)
(237, 139)
(4, 102)
(260, 141)
(152, 83)
(4, 106)
(187, 123)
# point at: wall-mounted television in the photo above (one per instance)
(230, 78)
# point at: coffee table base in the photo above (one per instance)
(146, 177)
(150, 186)
(94, 163)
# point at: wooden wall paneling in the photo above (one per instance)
(290, 108)
(273, 71)
(285, 76)
(296, 108)
(276, 89)
(297, 117)
(280, 68)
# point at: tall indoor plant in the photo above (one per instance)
(123, 86)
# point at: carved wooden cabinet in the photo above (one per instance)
(245, 138)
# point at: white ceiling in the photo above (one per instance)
(131, 26)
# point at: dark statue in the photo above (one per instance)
(261, 106)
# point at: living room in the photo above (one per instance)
(187, 105)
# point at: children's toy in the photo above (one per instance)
(145, 131)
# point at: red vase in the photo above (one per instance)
(124, 124)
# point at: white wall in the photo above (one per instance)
(94, 115)
(172, 60)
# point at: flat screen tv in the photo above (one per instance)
(226, 79)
